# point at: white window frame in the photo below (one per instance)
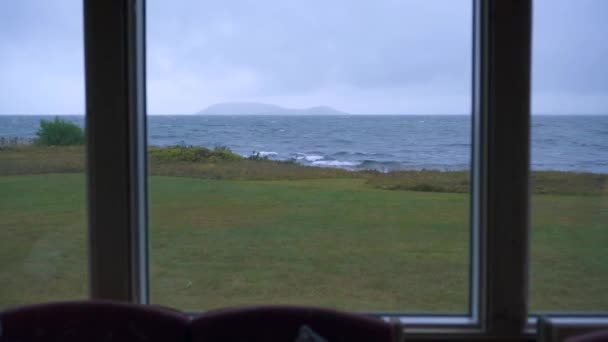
(500, 200)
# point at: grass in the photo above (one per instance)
(245, 233)
(28, 159)
(311, 242)
(221, 163)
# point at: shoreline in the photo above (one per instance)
(380, 142)
(303, 159)
(223, 164)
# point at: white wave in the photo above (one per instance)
(268, 154)
(313, 157)
(336, 163)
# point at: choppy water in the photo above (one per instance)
(569, 143)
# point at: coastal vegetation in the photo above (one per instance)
(227, 229)
(221, 163)
(59, 132)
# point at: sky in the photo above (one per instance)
(358, 56)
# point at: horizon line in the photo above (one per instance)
(294, 115)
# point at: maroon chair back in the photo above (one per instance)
(597, 336)
(92, 321)
(285, 323)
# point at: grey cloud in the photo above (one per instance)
(394, 55)
(570, 52)
(41, 57)
(299, 46)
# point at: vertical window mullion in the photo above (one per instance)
(502, 145)
(478, 167)
(116, 149)
(138, 146)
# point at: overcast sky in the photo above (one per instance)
(359, 56)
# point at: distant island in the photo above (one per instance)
(257, 108)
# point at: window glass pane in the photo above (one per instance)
(569, 251)
(327, 159)
(42, 203)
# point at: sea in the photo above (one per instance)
(363, 142)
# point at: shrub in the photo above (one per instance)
(59, 132)
(192, 154)
(222, 148)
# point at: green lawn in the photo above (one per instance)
(339, 242)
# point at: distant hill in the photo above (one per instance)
(257, 108)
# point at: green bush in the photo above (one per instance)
(192, 154)
(59, 132)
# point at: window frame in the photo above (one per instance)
(117, 168)
(116, 142)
